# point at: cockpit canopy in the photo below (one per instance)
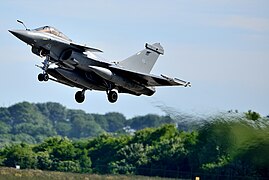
(52, 30)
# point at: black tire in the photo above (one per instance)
(112, 96)
(40, 77)
(79, 96)
(45, 77)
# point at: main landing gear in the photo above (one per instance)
(112, 96)
(80, 96)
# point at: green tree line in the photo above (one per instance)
(33, 123)
(226, 147)
(48, 136)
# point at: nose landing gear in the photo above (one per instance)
(44, 76)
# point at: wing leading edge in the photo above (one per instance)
(84, 48)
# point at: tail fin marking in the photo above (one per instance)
(144, 60)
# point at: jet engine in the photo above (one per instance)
(66, 55)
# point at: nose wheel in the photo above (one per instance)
(80, 96)
(43, 77)
(112, 96)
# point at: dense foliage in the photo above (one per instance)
(32, 123)
(227, 146)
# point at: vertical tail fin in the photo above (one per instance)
(144, 60)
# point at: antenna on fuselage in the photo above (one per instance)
(21, 22)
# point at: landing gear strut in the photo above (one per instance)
(112, 96)
(80, 96)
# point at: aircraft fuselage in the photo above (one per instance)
(79, 66)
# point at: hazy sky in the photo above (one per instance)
(221, 47)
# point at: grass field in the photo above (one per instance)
(12, 173)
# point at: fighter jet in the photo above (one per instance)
(80, 66)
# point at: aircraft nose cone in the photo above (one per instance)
(18, 33)
(13, 32)
(22, 35)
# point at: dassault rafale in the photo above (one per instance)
(79, 66)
